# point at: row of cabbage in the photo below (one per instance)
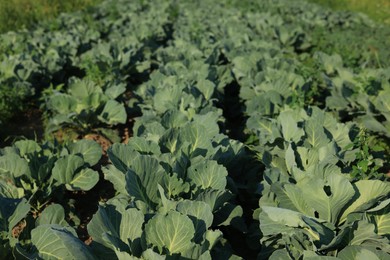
(105, 43)
(324, 190)
(170, 179)
(183, 188)
(109, 47)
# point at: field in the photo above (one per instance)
(232, 129)
(18, 14)
(378, 10)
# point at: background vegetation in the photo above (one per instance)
(378, 10)
(17, 14)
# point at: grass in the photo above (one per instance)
(378, 10)
(18, 14)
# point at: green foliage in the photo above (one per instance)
(378, 10)
(85, 106)
(31, 176)
(366, 166)
(289, 77)
(33, 171)
(18, 14)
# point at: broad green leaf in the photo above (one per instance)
(230, 215)
(115, 91)
(290, 158)
(310, 255)
(174, 185)
(85, 180)
(137, 188)
(167, 98)
(290, 129)
(200, 214)
(92, 102)
(56, 121)
(20, 212)
(113, 113)
(65, 168)
(150, 130)
(206, 87)
(214, 198)
(105, 220)
(53, 214)
(330, 63)
(83, 88)
(324, 230)
(7, 208)
(172, 232)
(62, 103)
(242, 66)
(126, 229)
(27, 147)
(196, 251)
(13, 164)
(361, 253)
(266, 129)
(371, 123)
(328, 197)
(382, 205)
(144, 146)
(116, 229)
(20, 252)
(68, 170)
(367, 194)
(208, 174)
(122, 255)
(290, 196)
(280, 254)
(213, 237)
(327, 153)
(381, 219)
(166, 204)
(131, 225)
(278, 220)
(308, 157)
(143, 178)
(195, 135)
(287, 221)
(267, 104)
(382, 102)
(316, 136)
(209, 121)
(88, 149)
(170, 142)
(340, 131)
(173, 119)
(55, 242)
(116, 177)
(365, 232)
(150, 254)
(10, 190)
(122, 156)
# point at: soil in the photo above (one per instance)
(17, 230)
(25, 125)
(87, 204)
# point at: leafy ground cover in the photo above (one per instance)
(18, 14)
(198, 130)
(378, 10)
